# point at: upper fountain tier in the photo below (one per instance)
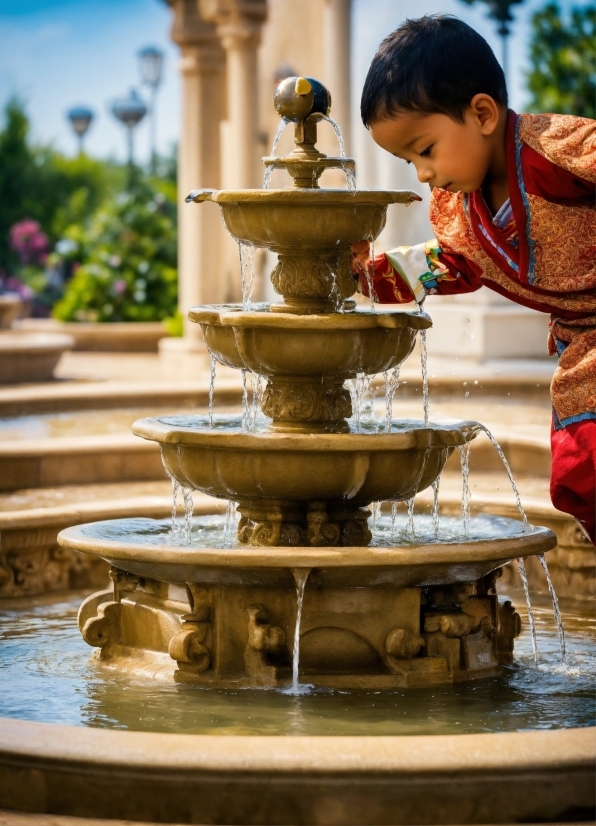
(310, 229)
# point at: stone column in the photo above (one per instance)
(202, 67)
(239, 25)
(337, 53)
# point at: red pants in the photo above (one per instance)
(573, 473)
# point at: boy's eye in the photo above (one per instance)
(426, 152)
(408, 162)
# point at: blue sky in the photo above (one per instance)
(58, 53)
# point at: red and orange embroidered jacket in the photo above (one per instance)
(544, 258)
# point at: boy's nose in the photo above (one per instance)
(425, 175)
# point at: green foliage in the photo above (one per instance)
(563, 59)
(42, 184)
(127, 252)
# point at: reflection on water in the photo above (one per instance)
(46, 675)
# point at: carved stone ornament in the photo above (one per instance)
(266, 651)
(103, 629)
(315, 524)
(326, 278)
(306, 401)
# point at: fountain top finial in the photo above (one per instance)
(296, 98)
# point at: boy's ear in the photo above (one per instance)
(486, 113)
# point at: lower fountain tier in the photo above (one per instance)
(372, 617)
(307, 358)
(296, 488)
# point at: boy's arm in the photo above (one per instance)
(411, 273)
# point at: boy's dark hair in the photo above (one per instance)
(435, 63)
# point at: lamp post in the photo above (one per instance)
(80, 118)
(151, 66)
(499, 10)
(129, 111)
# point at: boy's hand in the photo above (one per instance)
(360, 258)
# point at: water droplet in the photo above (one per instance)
(467, 393)
(465, 384)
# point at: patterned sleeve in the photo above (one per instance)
(409, 274)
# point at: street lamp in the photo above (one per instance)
(80, 118)
(499, 11)
(151, 65)
(129, 111)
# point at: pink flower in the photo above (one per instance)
(119, 287)
(29, 241)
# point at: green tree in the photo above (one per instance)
(39, 183)
(563, 59)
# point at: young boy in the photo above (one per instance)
(512, 208)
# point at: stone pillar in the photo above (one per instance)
(239, 25)
(202, 67)
(337, 69)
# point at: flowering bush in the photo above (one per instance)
(123, 261)
(29, 242)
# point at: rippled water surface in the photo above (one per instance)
(47, 675)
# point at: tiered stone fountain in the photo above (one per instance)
(301, 576)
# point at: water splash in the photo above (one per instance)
(361, 394)
(230, 525)
(391, 384)
(423, 365)
(411, 523)
(247, 272)
(212, 388)
(269, 170)
(188, 509)
(497, 447)
(300, 577)
(524, 578)
(435, 510)
(555, 601)
(464, 457)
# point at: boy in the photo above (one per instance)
(512, 208)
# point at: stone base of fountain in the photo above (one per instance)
(370, 617)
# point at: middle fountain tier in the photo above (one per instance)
(306, 479)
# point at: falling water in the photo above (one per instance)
(300, 577)
(435, 511)
(188, 508)
(361, 394)
(253, 408)
(212, 388)
(423, 365)
(375, 509)
(369, 271)
(245, 408)
(391, 384)
(411, 524)
(524, 578)
(464, 456)
(497, 447)
(175, 488)
(247, 272)
(555, 601)
(269, 170)
(230, 528)
(349, 173)
(393, 518)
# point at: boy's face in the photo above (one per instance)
(448, 154)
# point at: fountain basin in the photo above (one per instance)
(304, 488)
(30, 356)
(371, 618)
(285, 344)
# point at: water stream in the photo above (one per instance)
(411, 523)
(524, 578)
(435, 511)
(349, 173)
(188, 509)
(300, 577)
(464, 457)
(424, 368)
(230, 524)
(518, 502)
(247, 272)
(555, 602)
(211, 387)
(269, 170)
(391, 384)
